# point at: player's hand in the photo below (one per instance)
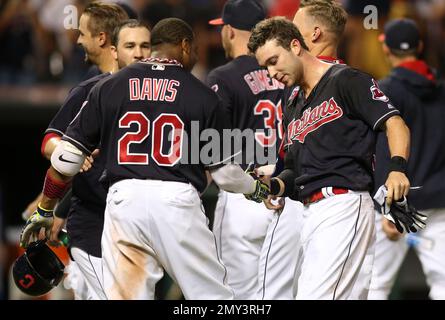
(88, 163)
(271, 206)
(41, 218)
(390, 230)
(397, 185)
(261, 192)
(58, 224)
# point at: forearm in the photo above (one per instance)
(398, 135)
(233, 179)
(283, 184)
(66, 161)
(53, 189)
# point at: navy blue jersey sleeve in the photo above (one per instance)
(365, 100)
(218, 85)
(70, 107)
(84, 130)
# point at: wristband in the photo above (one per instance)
(54, 189)
(44, 212)
(397, 164)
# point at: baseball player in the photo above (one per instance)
(321, 24)
(143, 117)
(128, 41)
(330, 130)
(418, 95)
(252, 100)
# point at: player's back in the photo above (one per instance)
(250, 97)
(153, 114)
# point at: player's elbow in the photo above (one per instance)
(67, 159)
(49, 143)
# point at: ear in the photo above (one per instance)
(186, 46)
(102, 37)
(316, 34)
(230, 31)
(295, 47)
(113, 52)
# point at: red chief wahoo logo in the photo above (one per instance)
(312, 119)
(378, 94)
(27, 282)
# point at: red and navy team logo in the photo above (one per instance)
(378, 94)
(294, 93)
(27, 281)
(312, 119)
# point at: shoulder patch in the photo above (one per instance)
(377, 94)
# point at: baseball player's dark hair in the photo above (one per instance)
(172, 31)
(277, 28)
(329, 13)
(104, 17)
(130, 23)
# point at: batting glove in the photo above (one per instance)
(403, 215)
(41, 218)
(261, 192)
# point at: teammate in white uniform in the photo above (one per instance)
(252, 101)
(413, 88)
(329, 160)
(321, 24)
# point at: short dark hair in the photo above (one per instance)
(278, 28)
(172, 31)
(130, 23)
(328, 12)
(104, 17)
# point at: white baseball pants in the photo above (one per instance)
(430, 249)
(151, 225)
(240, 228)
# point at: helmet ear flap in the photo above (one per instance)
(38, 270)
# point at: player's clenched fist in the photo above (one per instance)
(397, 185)
(41, 218)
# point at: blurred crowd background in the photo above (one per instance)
(40, 61)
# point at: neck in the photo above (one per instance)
(107, 62)
(239, 47)
(239, 51)
(325, 49)
(313, 70)
(396, 61)
(165, 51)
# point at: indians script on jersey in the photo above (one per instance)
(312, 119)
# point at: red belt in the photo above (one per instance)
(324, 193)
